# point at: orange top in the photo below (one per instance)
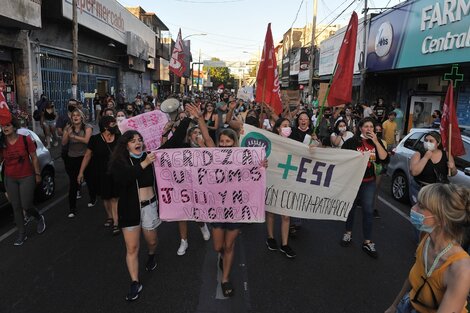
(435, 281)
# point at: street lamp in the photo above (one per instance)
(199, 63)
(201, 34)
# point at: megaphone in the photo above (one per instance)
(170, 106)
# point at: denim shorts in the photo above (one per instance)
(404, 306)
(149, 219)
(49, 123)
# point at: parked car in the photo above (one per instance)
(45, 190)
(399, 166)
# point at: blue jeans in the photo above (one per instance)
(365, 197)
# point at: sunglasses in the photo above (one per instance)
(435, 304)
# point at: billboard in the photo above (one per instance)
(420, 33)
(329, 50)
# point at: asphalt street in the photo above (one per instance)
(77, 266)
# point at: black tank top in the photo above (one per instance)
(146, 179)
(49, 116)
(434, 173)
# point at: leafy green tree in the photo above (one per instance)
(219, 75)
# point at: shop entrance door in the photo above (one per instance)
(102, 86)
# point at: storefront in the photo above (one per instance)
(410, 49)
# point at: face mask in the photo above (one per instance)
(113, 130)
(286, 131)
(379, 134)
(417, 219)
(342, 129)
(136, 156)
(129, 112)
(119, 119)
(429, 146)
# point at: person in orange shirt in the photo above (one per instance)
(439, 281)
(390, 130)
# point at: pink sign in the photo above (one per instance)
(150, 125)
(211, 184)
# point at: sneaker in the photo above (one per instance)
(48, 146)
(20, 240)
(92, 203)
(71, 215)
(79, 195)
(56, 143)
(347, 239)
(376, 213)
(134, 291)
(271, 244)
(205, 232)
(369, 248)
(183, 247)
(151, 263)
(41, 227)
(288, 251)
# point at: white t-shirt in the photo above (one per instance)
(367, 112)
(346, 136)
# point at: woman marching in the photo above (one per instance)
(365, 140)
(439, 280)
(76, 136)
(99, 151)
(22, 173)
(282, 128)
(133, 172)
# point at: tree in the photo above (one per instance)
(218, 75)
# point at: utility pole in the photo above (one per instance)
(312, 53)
(363, 61)
(199, 70)
(74, 49)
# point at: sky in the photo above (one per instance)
(236, 28)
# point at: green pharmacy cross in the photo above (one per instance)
(454, 75)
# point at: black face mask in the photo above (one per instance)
(129, 112)
(253, 121)
(379, 134)
(113, 130)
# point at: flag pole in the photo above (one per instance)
(322, 107)
(263, 104)
(449, 137)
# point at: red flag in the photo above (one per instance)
(341, 86)
(449, 122)
(267, 80)
(177, 65)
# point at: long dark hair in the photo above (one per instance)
(120, 153)
(278, 124)
(361, 123)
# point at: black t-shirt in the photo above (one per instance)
(101, 151)
(434, 173)
(380, 112)
(299, 135)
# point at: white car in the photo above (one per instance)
(399, 166)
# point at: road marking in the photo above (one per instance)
(45, 209)
(394, 208)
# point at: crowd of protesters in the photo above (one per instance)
(117, 168)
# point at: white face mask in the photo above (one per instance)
(119, 119)
(429, 146)
(286, 131)
(342, 129)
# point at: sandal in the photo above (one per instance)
(108, 222)
(116, 230)
(227, 289)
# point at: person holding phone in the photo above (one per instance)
(365, 140)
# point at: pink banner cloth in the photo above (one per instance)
(150, 125)
(211, 184)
